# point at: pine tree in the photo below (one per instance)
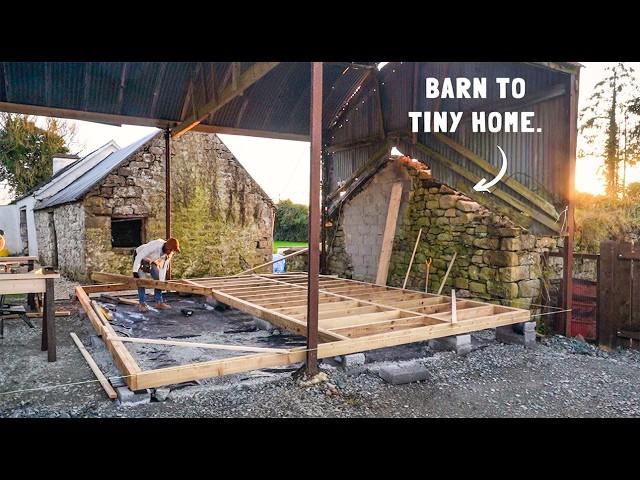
(611, 104)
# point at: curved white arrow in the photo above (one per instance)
(483, 186)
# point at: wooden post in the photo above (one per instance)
(406, 277)
(31, 299)
(454, 307)
(446, 275)
(49, 321)
(567, 283)
(389, 234)
(315, 125)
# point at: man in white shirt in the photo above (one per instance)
(154, 258)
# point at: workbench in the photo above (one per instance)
(29, 262)
(31, 283)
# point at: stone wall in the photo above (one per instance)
(135, 189)
(496, 260)
(65, 226)
(221, 216)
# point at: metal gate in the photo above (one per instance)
(619, 294)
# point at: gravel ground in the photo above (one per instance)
(560, 378)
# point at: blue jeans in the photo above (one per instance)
(155, 274)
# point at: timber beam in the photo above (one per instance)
(238, 85)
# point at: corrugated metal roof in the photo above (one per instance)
(76, 190)
(162, 95)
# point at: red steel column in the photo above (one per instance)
(167, 189)
(167, 183)
(568, 241)
(315, 126)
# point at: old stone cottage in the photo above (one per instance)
(221, 216)
(496, 259)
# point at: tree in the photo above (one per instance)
(609, 115)
(292, 221)
(26, 150)
(633, 191)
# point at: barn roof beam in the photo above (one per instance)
(243, 81)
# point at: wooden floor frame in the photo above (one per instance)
(353, 317)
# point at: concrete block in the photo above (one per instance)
(352, 360)
(527, 338)
(461, 344)
(128, 397)
(161, 394)
(405, 373)
(117, 382)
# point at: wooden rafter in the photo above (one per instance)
(505, 197)
(248, 78)
(516, 186)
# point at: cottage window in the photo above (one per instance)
(126, 232)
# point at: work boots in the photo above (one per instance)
(142, 308)
(162, 306)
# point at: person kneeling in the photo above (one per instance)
(153, 259)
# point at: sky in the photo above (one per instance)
(281, 167)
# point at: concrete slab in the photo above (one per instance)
(509, 335)
(404, 373)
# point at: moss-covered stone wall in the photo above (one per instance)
(496, 260)
(221, 216)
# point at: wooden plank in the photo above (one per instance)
(109, 287)
(383, 326)
(20, 260)
(323, 307)
(607, 295)
(389, 233)
(210, 346)
(415, 247)
(251, 132)
(111, 393)
(59, 313)
(359, 319)
(197, 371)
(85, 302)
(284, 321)
(121, 356)
(11, 286)
(446, 275)
(418, 302)
(248, 78)
(299, 252)
(148, 283)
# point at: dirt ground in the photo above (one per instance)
(560, 378)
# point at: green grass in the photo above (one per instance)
(283, 243)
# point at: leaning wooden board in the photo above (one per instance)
(353, 317)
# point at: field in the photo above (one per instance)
(283, 243)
